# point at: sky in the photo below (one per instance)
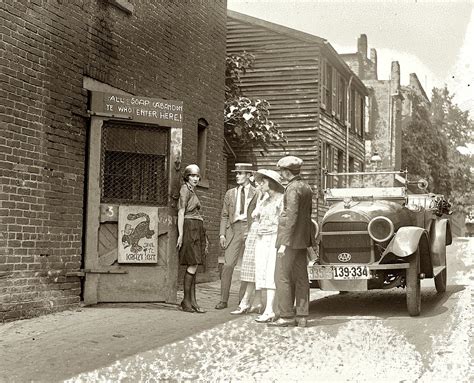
(433, 39)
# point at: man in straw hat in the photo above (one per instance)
(293, 238)
(233, 227)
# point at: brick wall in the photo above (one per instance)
(166, 49)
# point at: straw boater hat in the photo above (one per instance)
(243, 167)
(273, 175)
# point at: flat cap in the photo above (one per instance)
(290, 162)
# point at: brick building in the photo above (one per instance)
(71, 156)
(389, 105)
(315, 98)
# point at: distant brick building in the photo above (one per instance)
(60, 155)
(414, 88)
(389, 105)
(315, 98)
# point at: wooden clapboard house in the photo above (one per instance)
(316, 100)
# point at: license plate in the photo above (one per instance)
(351, 272)
(338, 272)
(319, 272)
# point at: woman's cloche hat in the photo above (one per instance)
(192, 169)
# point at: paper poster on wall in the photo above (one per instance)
(138, 234)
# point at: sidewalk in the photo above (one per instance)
(58, 346)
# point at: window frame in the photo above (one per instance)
(201, 149)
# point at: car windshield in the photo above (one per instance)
(365, 185)
(362, 181)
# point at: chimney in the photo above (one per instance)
(395, 74)
(414, 80)
(373, 58)
(362, 45)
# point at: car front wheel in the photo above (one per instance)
(413, 285)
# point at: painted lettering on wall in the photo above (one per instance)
(143, 109)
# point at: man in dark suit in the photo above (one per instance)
(238, 202)
(293, 239)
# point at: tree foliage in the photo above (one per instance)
(457, 127)
(247, 120)
(430, 147)
(424, 149)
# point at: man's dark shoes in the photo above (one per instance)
(197, 309)
(186, 307)
(302, 322)
(221, 305)
(283, 322)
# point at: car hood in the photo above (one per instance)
(364, 211)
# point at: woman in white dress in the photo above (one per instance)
(247, 271)
(265, 250)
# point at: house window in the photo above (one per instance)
(326, 86)
(327, 162)
(352, 108)
(335, 90)
(323, 84)
(134, 164)
(202, 146)
(340, 168)
(359, 114)
(341, 99)
(351, 169)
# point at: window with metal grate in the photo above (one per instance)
(134, 167)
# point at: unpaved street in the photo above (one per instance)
(352, 337)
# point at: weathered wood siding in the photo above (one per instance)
(286, 74)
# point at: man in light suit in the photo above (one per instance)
(234, 225)
(294, 236)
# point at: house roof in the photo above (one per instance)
(299, 35)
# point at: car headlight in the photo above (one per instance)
(380, 229)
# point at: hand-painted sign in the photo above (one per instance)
(138, 234)
(136, 108)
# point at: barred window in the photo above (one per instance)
(134, 165)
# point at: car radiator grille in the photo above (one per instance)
(357, 245)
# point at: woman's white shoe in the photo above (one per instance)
(240, 311)
(264, 318)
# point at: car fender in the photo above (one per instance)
(440, 237)
(405, 242)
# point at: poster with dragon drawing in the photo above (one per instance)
(138, 234)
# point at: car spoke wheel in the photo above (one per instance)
(413, 285)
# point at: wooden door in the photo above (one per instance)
(132, 168)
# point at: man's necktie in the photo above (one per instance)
(242, 200)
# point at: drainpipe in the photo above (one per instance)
(348, 125)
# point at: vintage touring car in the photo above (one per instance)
(382, 237)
